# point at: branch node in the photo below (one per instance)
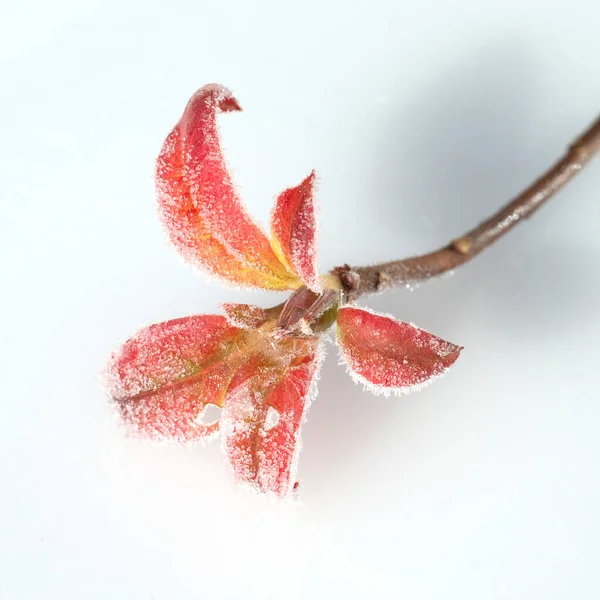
(580, 152)
(349, 278)
(462, 245)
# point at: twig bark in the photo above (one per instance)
(359, 281)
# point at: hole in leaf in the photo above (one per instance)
(271, 419)
(210, 414)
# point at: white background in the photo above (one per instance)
(420, 119)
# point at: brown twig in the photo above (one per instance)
(365, 280)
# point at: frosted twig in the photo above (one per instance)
(359, 281)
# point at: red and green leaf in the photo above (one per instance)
(262, 417)
(388, 355)
(200, 208)
(165, 376)
(294, 230)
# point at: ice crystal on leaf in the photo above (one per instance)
(259, 366)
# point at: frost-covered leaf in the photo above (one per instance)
(388, 355)
(164, 376)
(248, 316)
(199, 206)
(294, 230)
(263, 414)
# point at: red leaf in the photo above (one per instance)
(164, 377)
(388, 355)
(262, 417)
(199, 206)
(247, 316)
(294, 230)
